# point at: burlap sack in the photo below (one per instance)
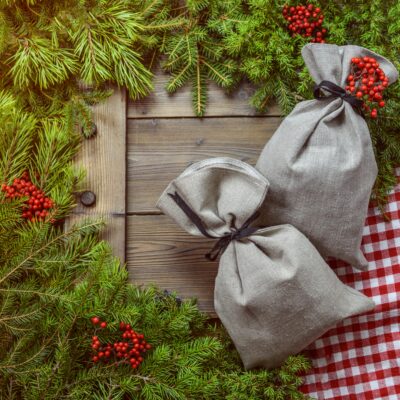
(320, 162)
(273, 292)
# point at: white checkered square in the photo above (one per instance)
(360, 358)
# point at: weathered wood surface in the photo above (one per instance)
(104, 159)
(160, 149)
(162, 104)
(158, 251)
(163, 138)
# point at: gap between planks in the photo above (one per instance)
(104, 160)
(159, 149)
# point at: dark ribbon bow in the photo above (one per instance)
(235, 234)
(337, 91)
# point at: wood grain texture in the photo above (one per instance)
(161, 253)
(161, 104)
(104, 159)
(160, 149)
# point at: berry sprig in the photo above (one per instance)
(129, 350)
(37, 205)
(367, 82)
(305, 20)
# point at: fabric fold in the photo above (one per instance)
(320, 162)
(274, 293)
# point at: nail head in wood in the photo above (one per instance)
(88, 198)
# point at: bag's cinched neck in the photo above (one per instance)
(338, 92)
(235, 234)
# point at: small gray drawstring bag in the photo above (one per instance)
(320, 162)
(274, 293)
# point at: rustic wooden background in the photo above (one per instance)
(140, 147)
(163, 138)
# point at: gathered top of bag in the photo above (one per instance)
(329, 62)
(223, 191)
(274, 293)
(320, 162)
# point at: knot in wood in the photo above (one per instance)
(88, 198)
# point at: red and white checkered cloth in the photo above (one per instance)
(360, 358)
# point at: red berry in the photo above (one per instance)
(381, 104)
(95, 359)
(303, 20)
(95, 320)
(103, 325)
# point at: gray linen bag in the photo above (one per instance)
(320, 162)
(274, 293)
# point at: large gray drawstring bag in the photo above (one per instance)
(274, 293)
(320, 162)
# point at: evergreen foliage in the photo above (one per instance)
(253, 43)
(57, 59)
(49, 49)
(53, 281)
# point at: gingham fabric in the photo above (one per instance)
(360, 358)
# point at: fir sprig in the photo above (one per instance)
(49, 48)
(67, 277)
(52, 281)
(195, 53)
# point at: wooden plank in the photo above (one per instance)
(161, 253)
(160, 149)
(103, 158)
(161, 104)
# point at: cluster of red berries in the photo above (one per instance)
(129, 350)
(37, 205)
(305, 20)
(367, 82)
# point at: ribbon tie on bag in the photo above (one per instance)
(235, 234)
(337, 91)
